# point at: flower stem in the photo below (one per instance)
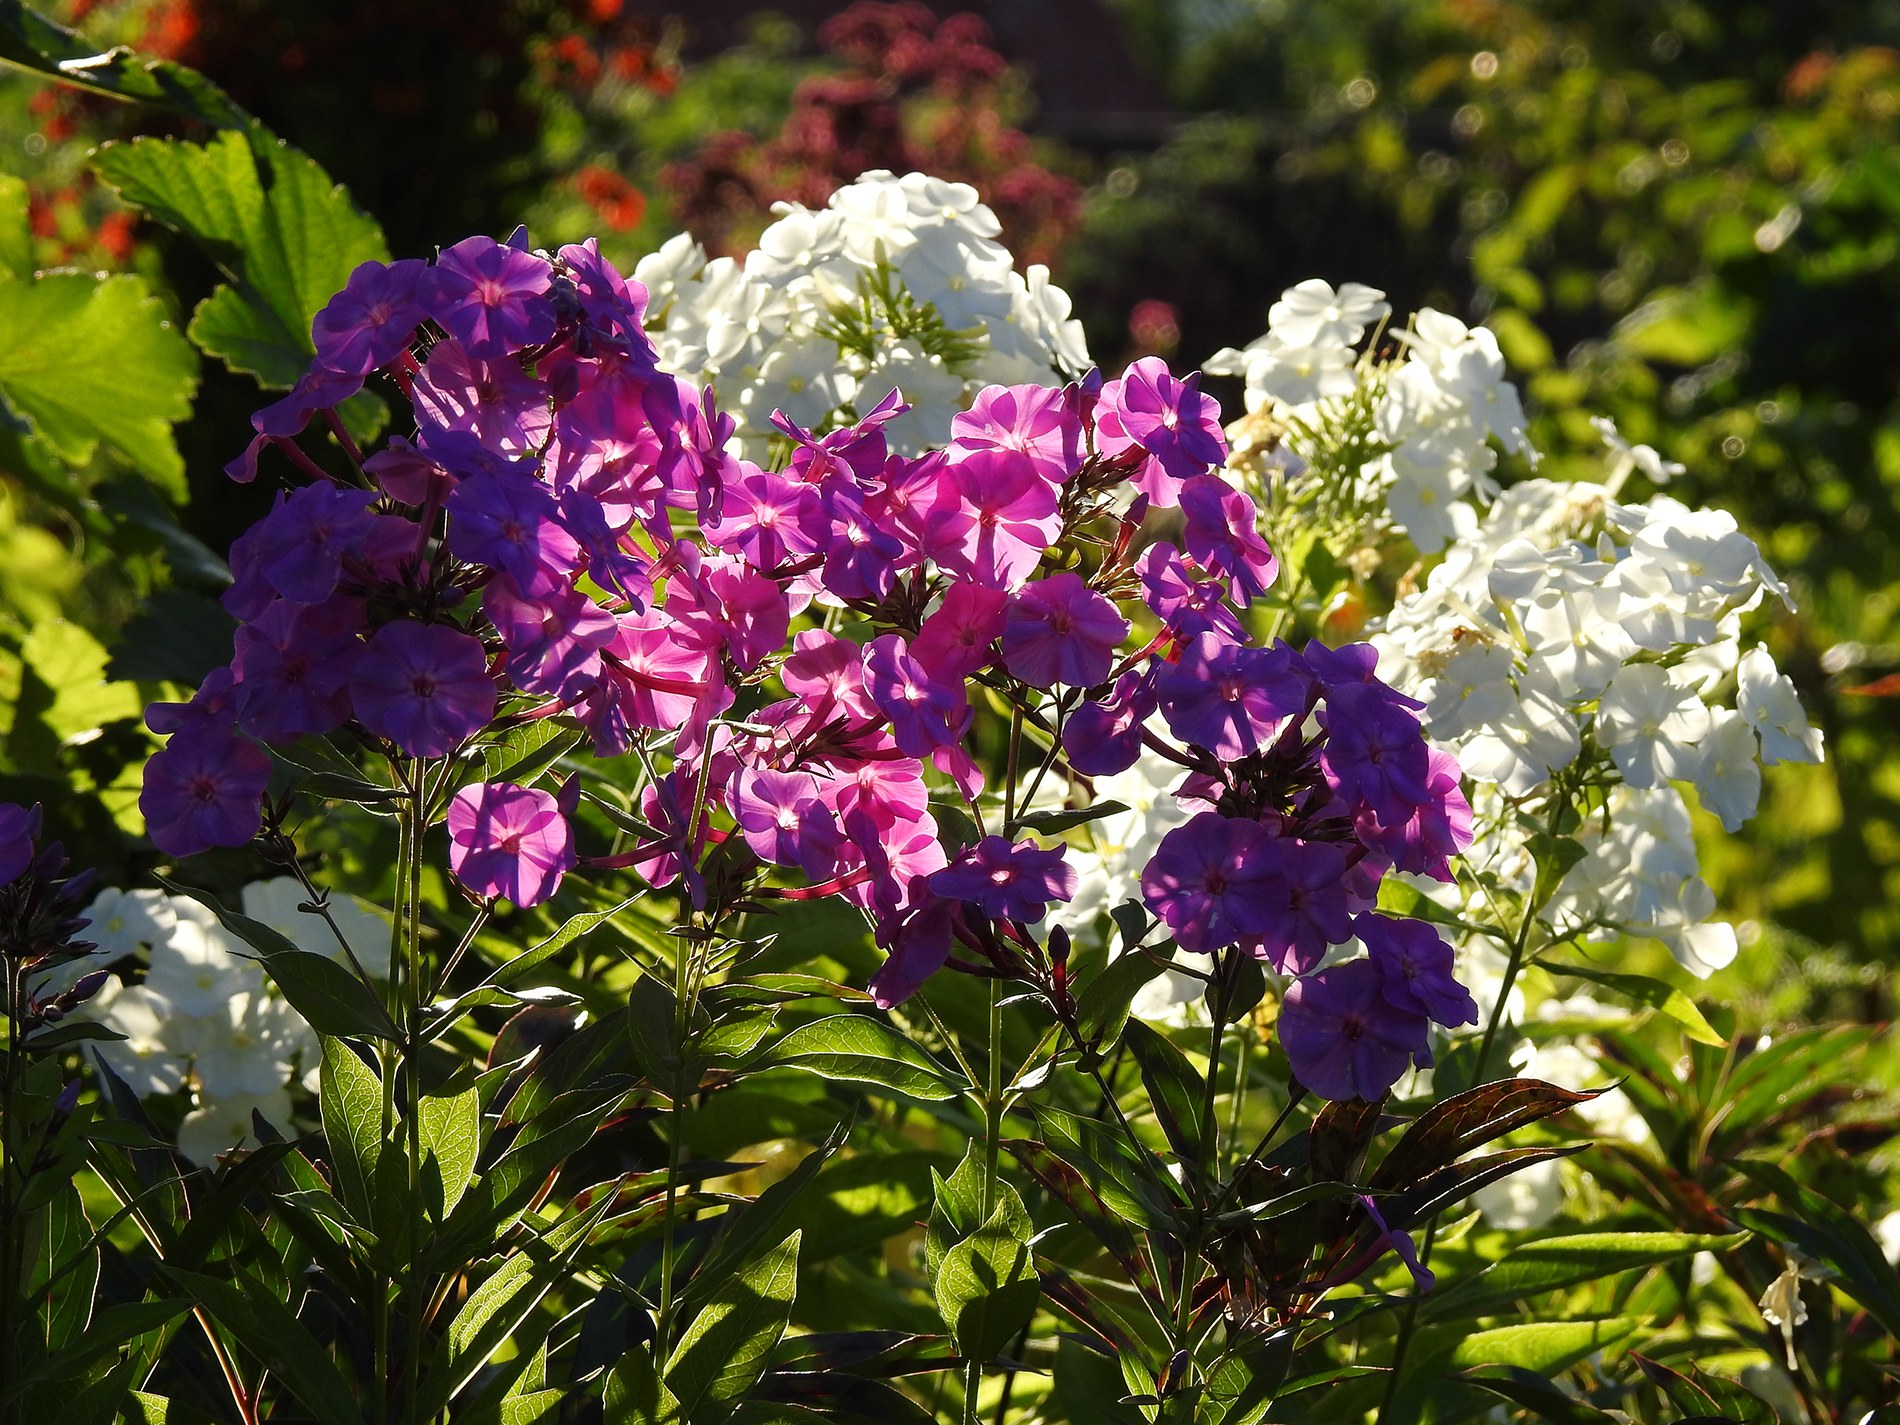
(992, 1152)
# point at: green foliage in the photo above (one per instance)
(85, 362)
(283, 235)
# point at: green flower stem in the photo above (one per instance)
(992, 1141)
(414, 1297)
(11, 1308)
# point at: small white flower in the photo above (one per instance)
(143, 1058)
(118, 922)
(1768, 700)
(276, 903)
(1311, 313)
(1728, 778)
(221, 1125)
(1651, 724)
(198, 969)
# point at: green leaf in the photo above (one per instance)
(529, 750)
(1054, 823)
(16, 236)
(61, 1233)
(986, 1287)
(350, 1099)
(1175, 1088)
(451, 1132)
(1530, 1391)
(1653, 994)
(495, 1310)
(34, 42)
(72, 665)
(1549, 1264)
(85, 362)
(1545, 1347)
(858, 1049)
(1102, 1008)
(285, 236)
(269, 1330)
(727, 1347)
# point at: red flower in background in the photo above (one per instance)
(913, 93)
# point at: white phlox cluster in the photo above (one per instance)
(205, 1018)
(1439, 411)
(761, 331)
(1570, 620)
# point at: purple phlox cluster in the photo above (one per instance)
(42, 923)
(1311, 778)
(565, 532)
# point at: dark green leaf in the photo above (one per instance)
(1054, 823)
(268, 1330)
(1175, 1088)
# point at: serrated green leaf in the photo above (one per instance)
(285, 236)
(85, 362)
(34, 42)
(859, 1049)
(727, 1347)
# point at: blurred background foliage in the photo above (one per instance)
(1684, 216)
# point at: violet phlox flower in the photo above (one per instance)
(1008, 882)
(511, 521)
(1418, 967)
(553, 642)
(1103, 738)
(1187, 603)
(495, 401)
(1305, 883)
(491, 297)
(203, 789)
(956, 638)
(19, 830)
(993, 515)
(783, 816)
(917, 942)
(1222, 537)
(769, 518)
(1232, 700)
(293, 668)
(927, 711)
(299, 547)
(1059, 630)
(1166, 416)
(370, 322)
(424, 686)
(1033, 421)
(1344, 1038)
(1210, 882)
(509, 842)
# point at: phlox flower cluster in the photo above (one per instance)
(805, 323)
(204, 1018)
(1422, 416)
(569, 533)
(1574, 629)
